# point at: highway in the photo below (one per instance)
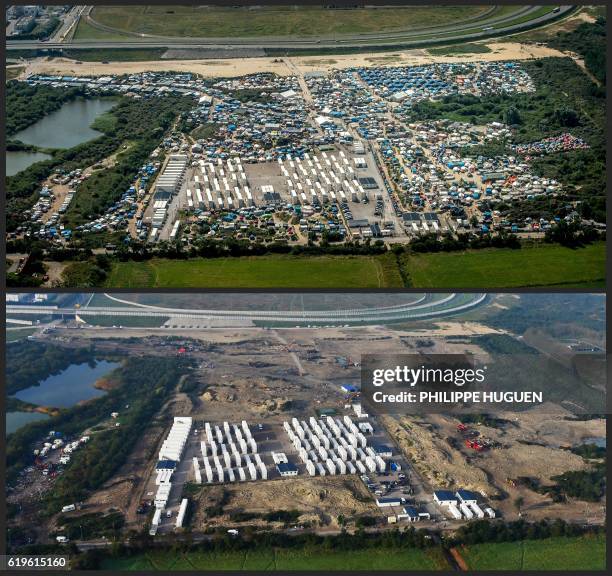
(472, 31)
(443, 306)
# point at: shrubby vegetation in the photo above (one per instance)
(590, 451)
(223, 542)
(26, 105)
(502, 344)
(589, 485)
(550, 312)
(90, 526)
(589, 41)
(565, 99)
(481, 531)
(449, 243)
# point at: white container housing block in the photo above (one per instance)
(264, 470)
(330, 466)
(241, 474)
(181, 513)
(490, 512)
(245, 428)
(351, 468)
(220, 474)
(162, 495)
(243, 446)
(237, 459)
(252, 471)
(253, 445)
(380, 463)
(214, 449)
(156, 517)
(454, 511)
(172, 447)
(341, 466)
(204, 449)
(467, 512)
(360, 467)
(209, 475)
(231, 476)
(196, 471)
(477, 510)
(321, 469)
(227, 459)
(310, 467)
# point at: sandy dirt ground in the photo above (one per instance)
(527, 445)
(285, 66)
(320, 500)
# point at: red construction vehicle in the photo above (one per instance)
(474, 445)
(462, 427)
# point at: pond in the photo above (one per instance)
(73, 385)
(15, 420)
(19, 160)
(68, 126)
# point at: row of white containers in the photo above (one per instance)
(173, 445)
(217, 438)
(209, 192)
(321, 181)
(333, 447)
(214, 471)
(171, 449)
(222, 464)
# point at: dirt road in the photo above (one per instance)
(284, 67)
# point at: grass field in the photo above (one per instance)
(259, 272)
(299, 21)
(580, 553)
(283, 560)
(19, 333)
(547, 265)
